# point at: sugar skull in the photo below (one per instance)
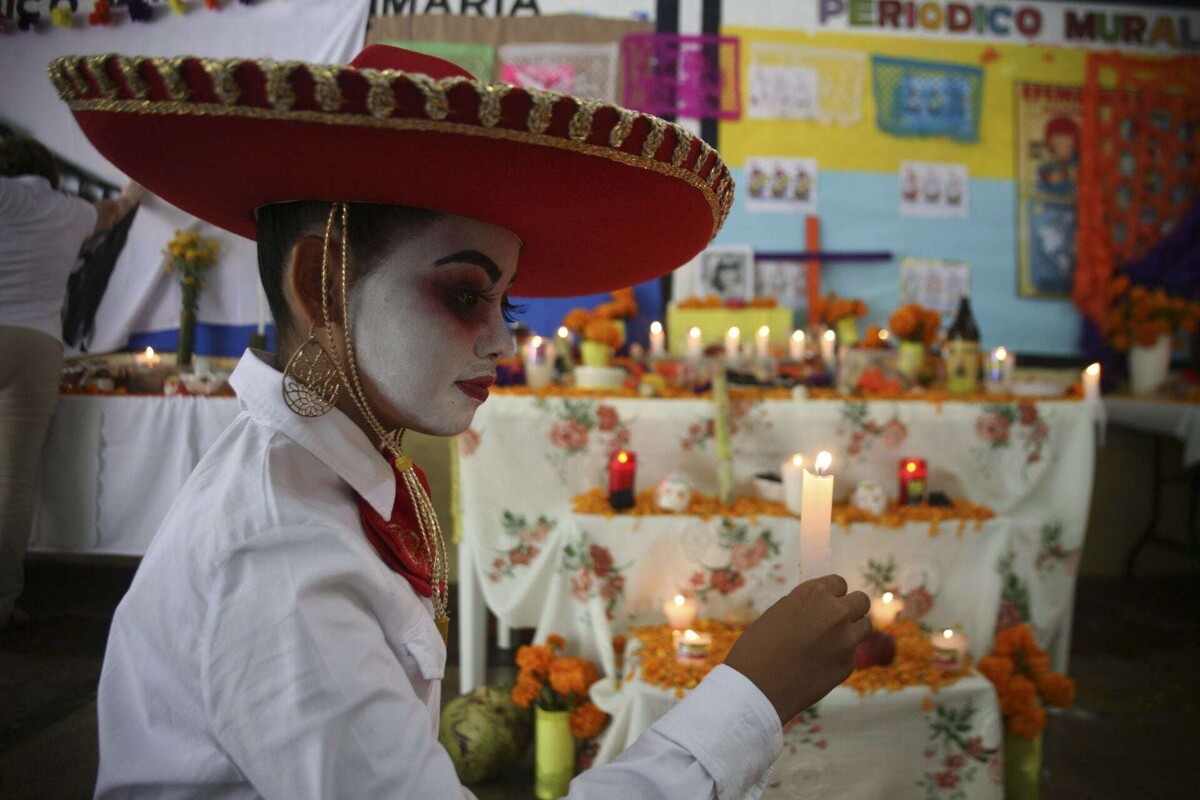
(674, 493)
(870, 496)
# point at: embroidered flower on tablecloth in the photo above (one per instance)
(570, 435)
(530, 538)
(745, 416)
(861, 431)
(1000, 423)
(582, 426)
(746, 553)
(993, 429)
(593, 570)
(961, 755)
(1052, 553)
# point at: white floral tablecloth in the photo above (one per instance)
(895, 745)
(525, 458)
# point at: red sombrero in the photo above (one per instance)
(601, 196)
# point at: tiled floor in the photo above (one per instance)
(1131, 734)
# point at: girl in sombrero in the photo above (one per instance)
(285, 634)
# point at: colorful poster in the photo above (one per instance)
(927, 98)
(934, 189)
(1048, 123)
(790, 81)
(587, 70)
(781, 185)
(934, 283)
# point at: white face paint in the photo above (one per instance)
(427, 322)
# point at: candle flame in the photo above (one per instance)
(679, 600)
(884, 335)
(690, 635)
(563, 332)
(1001, 354)
(622, 457)
(797, 460)
(797, 336)
(947, 633)
(887, 597)
(535, 342)
(694, 333)
(656, 327)
(149, 352)
(824, 459)
(830, 336)
(734, 333)
(911, 466)
(764, 332)
(1094, 369)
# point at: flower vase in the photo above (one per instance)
(910, 359)
(595, 354)
(1148, 366)
(1022, 766)
(555, 750)
(847, 331)
(187, 339)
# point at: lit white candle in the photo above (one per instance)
(792, 472)
(796, 346)
(828, 349)
(733, 342)
(539, 367)
(680, 611)
(695, 347)
(762, 342)
(658, 339)
(949, 649)
(816, 519)
(692, 647)
(884, 610)
(148, 358)
(1091, 383)
(998, 375)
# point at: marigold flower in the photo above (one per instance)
(535, 659)
(577, 319)
(526, 690)
(1029, 723)
(587, 720)
(1019, 695)
(572, 676)
(555, 642)
(1056, 689)
(996, 669)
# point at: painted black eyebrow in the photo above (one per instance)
(472, 257)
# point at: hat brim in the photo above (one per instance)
(601, 197)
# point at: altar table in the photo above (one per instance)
(906, 744)
(113, 465)
(525, 457)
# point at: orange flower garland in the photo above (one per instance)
(1020, 671)
(915, 323)
(1138, 315)
(558, 683)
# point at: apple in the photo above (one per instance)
(878, 649)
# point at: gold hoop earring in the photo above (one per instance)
(310, 379)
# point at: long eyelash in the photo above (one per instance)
(512, 310)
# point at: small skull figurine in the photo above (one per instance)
(674, 493)
(870, 496)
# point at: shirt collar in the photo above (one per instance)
(333, 438)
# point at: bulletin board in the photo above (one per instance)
(894, 176)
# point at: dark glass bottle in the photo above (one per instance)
(962, 351)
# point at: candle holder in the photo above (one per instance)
(622, 467)
(692, 647)
(913, 481)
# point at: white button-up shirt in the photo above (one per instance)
(265, 650)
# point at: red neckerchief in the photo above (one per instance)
(398, 540)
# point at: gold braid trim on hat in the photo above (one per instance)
(91, 83)
(430, 530)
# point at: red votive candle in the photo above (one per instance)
(912, 481)
(622, 467)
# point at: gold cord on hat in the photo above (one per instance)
(430, 530)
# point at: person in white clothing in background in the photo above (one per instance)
(285, 634)
(41, 232)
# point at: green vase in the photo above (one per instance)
(555, 747)
(595, 354)
(187, 339)
(847, 331)
(910, 359)
(1022, 767)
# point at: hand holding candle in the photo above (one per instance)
(680, 611)
(816, 519)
